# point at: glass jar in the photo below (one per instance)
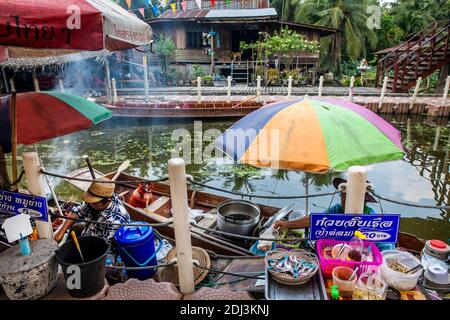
(370, 287)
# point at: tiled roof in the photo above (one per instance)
(202, 14)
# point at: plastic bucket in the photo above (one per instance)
(91, 273)
(136, 246)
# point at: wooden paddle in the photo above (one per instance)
(124, 166)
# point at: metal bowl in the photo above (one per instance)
(238, 216)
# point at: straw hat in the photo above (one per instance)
(99, 191)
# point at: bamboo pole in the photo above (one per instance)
(258, 86)
(114, 90)
(416, 91)
(5, 80)
(61, 85)
(350, 91)
(35, 81)
(383, 92)
(146, 84)
(356, 189)
(107, 80)
(320, 86)
(36, 185)
(178, 192)
(289, 87)
(229, 89)
(437, 136)
(12, 84)
(199, 89)
(445, 96)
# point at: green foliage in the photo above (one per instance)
(198, 72)
(165, 51)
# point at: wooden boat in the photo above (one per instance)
(159, 211)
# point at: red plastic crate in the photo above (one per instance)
(327, 265)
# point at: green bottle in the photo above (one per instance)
(335, 292)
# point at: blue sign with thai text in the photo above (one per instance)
(376, 227)
(17, 203)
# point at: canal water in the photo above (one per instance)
(422, 177)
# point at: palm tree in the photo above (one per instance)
(349, 16)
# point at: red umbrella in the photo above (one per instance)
(43, 28)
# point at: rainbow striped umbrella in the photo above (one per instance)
(313, 135)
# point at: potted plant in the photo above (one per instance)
(302, 80)
(284, 77)
(197, 72)
(273, 77)
(207, 80)
(180, 77)
(220, 81)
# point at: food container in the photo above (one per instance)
(437, 249)
(395, 278)
(370, 287)
(327, 265)
(238, 217)
(437, 273)
(342, 277)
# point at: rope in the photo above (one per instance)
(263, 197)
(142, 268)
(245, 237)
(408, 203)
(162, 224)
(52, 174)
(9, 185)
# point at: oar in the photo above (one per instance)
(77, 245)
(88, 162)
(124, 166)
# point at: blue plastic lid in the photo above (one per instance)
(133, 235)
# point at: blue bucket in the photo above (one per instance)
(136, 246)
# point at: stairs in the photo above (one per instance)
(420, 56)
(240, 72)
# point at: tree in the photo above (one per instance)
(350, 17)
(165, 50)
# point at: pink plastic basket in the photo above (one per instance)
(327, 265)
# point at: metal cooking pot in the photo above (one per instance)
(238, 217)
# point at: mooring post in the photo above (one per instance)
(229, 89)
(350, 90)
(320, 86)
(12, 85)
(36, 185)
(146, 84)
(61, 85)
(383, 92)
(178, 193)
(444, 97)
(414, 96)
(114, 90)
(199, 89)
(355, 189)
(35, 81)
(258, 86)
(289, 87)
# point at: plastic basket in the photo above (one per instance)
(327, 265)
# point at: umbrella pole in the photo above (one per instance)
(306, 193)
(14, 139)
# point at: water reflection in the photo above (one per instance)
(421, 177)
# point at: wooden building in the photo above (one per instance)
(229, 23)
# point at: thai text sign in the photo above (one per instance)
(17, 203)
(376, 227)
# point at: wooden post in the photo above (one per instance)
(212, 53)
(146, 85)
(12, 84)
(408, 132)
(199, 89)
(356, 189)
(289, 87)
(114, 90)
(350, 91)
(36, 185)
(61, 85)
(35, 81)
(178, 192)
(383, 92)
(416, 91)
(107, 81)
(5, 80)
(229, 89)
(320, 86)
(444, 97)
(258, 86)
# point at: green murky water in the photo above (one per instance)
(422, 177)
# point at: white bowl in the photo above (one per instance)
(437, 273)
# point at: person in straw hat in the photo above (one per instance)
(100, 204)
(339, 208)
